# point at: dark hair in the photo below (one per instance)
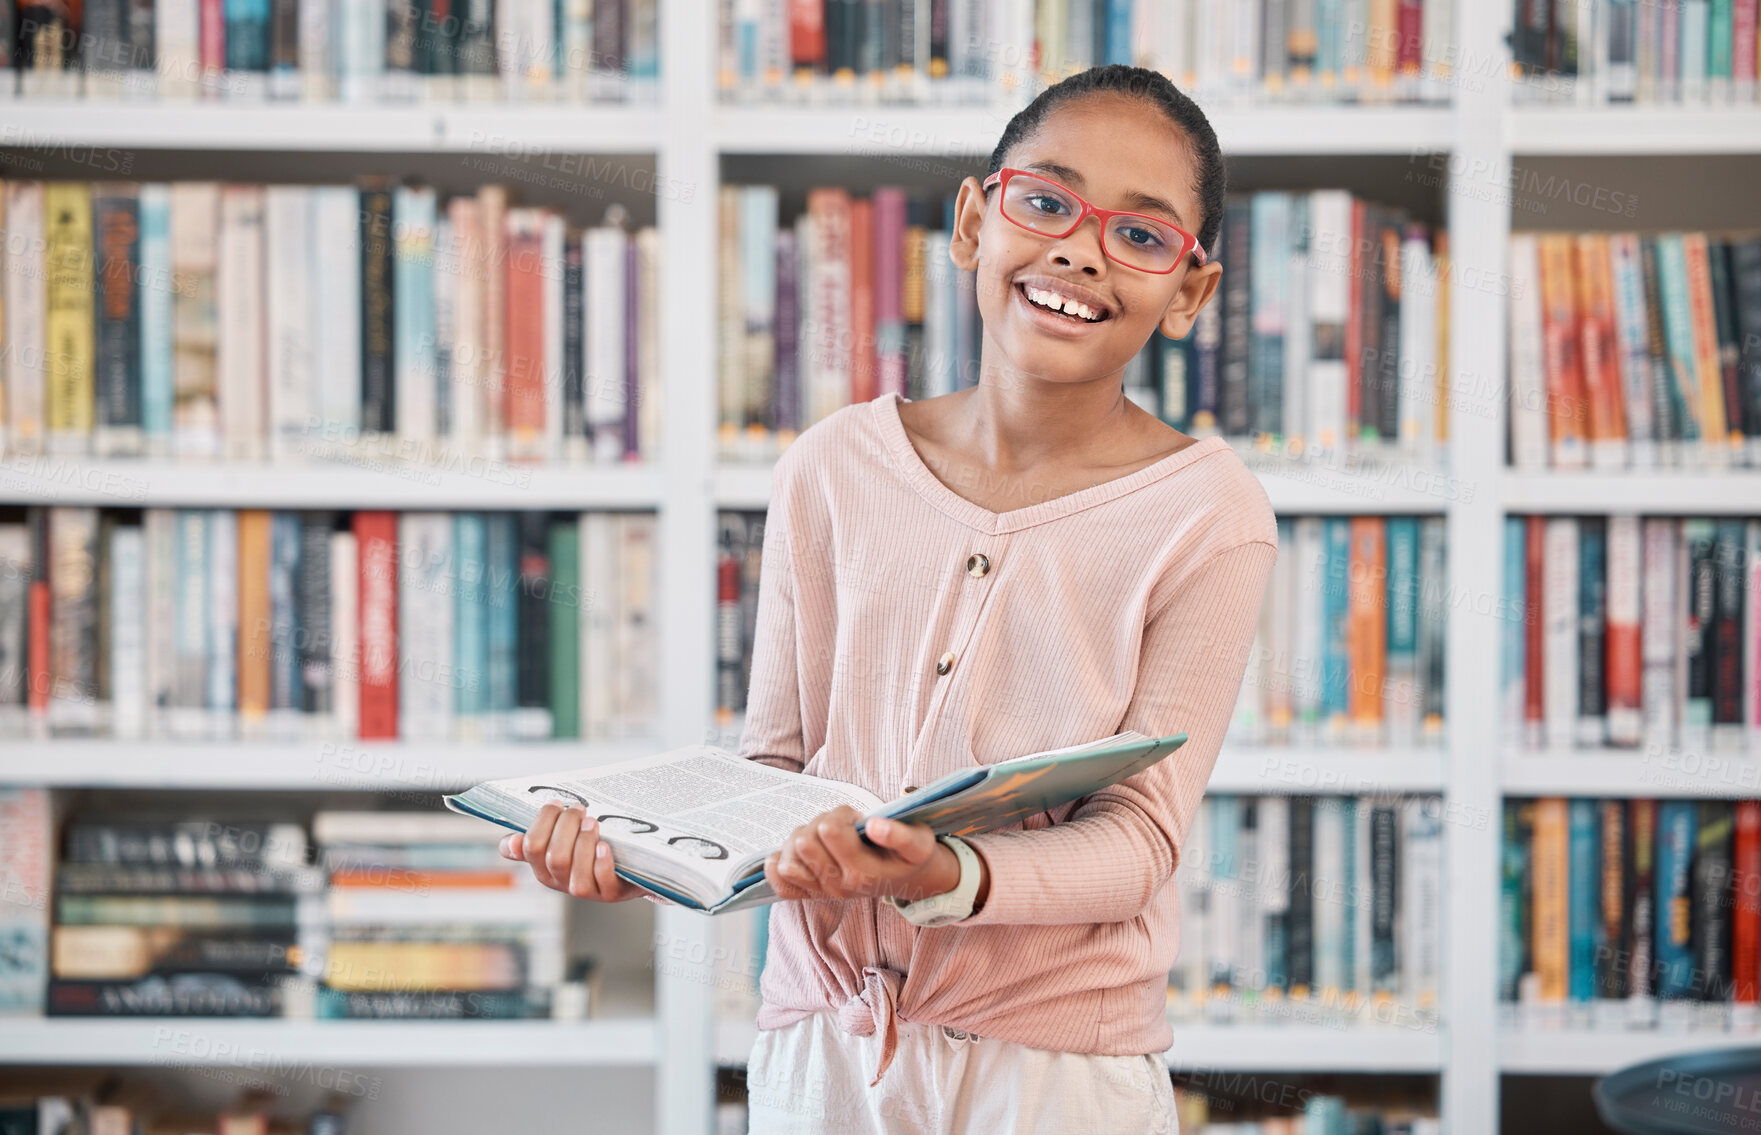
(1209, 179)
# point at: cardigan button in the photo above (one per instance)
(977, 564)
(909, 788)
(945, 663)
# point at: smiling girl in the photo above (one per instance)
(1029, 563)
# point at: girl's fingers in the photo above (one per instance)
(605, 873)
(780, 882)
(513, 847)
(538, 841)
(559, 858)
(816, 861)
(583, 880)
(853, 858)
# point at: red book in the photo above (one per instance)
(524, 372)
(1533, 715)
(376, 552)
(1410, 24)
(889, 288)
(39, 646)
(213, 37)
(1742, 39)
(864, 377)
(1354, 332)
(1745, 933)
(807, 33)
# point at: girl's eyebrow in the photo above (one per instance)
(1136, 200)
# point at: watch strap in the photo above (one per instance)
(950, 906)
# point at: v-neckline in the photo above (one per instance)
(885, 409)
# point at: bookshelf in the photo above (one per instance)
(686, 136)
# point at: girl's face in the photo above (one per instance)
(1117, 152)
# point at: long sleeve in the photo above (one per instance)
(1121, 844)
(773, 733)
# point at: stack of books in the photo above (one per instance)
(1350, 645)
(1299, 1110)
(1635, 350)
(41, 1102)
(427, 921)
(183, 918)
(210, 624)
(1329, 336)
(1628, 632)
(1311, 910)
(316, 50)
(1692, 52)
(1620, 914)
(971, 51)
(366, 323)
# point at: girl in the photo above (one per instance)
(1028, 563)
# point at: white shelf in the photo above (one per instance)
(1663, 492)
(916, 132)
(1635, 130)
(120, 483)
(1630, 772)
(257, 1044)
(379, 766)
(1292, 1048)
(493, 129)
(1294, 489)
(1300, 771)
(1581, 1052)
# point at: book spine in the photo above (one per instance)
(1336, 628)
(606, 298)
(335, 404)
(524, 368)
(1661, 633)
(1513, 914)
(1678, 330)
(425, 670)
(889, 272)
(1642, 896)
(1269, 239)
(1624, 651)
(1421, 904)
(1701, 602)
(1729, 353)
(27, 841)
(1560, 647)
(1598, 350)
(574, 416)
(1404, 692)
(240, 294)
(1715, 429)
(117, 221)
(1726, 635)
(533, 681)
(1592, 631)
(1329, 311)
(1752, 639)
(69, 317)
(377, 320)
(1369, 629)
(1552, 896)
(412, 332)
(864, 377)
(26, 373)
(222, 618)
(1674, 861)
(1745, 925)
(1566, 402)
(466, 366)
(290, 258)
(286, 689)
(315, 676)
(376, 547)
(1611, 961)
(1665, 414)
(566, 595)
(1632, 352)
(1711, 915)
(345, 640)
(1583, 914)
(255, 663)
(1235, 411)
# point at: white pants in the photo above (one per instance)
(811, 1078)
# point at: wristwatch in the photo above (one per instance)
(950, 906)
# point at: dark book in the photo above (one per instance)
(1299, 917)
(1641, 899)
(574, 396)
(872, 55)
(1265, 349)
(938, 37)
(334, 1004)
(843, 36)
(378, 386)
(285, 686)
(533, 681)
(1702, 584)
(47, 24)
(167, 879)
(178, 995)
(316, 636)
(1368, 317)
(474, 42)
(610, 37)
(107, 522)
(104, 34)
(247, 35)
(436, 28)
(1592, 629)
(1666, 409)
(1611, 958)
(1384, 886)
(1562, 39)
(1525, 839)
(182, 843)
(1745, 273)
(1235, 411)
(1513, 905)
(195, 912)
(501, 595)
(785, 409)
(904, 44)
(730, 692)
(1725, 330)
(632, 421)
(402, 17)
(1393, 225)
(1711, 909)
(116, 217)
(1728, 590)
(284, 36)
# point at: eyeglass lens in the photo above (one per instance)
(1045, 207)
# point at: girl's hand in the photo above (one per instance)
(825, 859)
(565, 853)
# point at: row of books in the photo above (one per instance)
(1625, 51)
(379, 915)
(964, 50)
(1349, 649)
(361, 323)
(314, 50)
(1330, 334)
(1299, 1111)
(1311, 910)
(1627, 632)
(1636, 350)
(1631, 913)
(213, 625)
(41, 1102)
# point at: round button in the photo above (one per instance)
(911, 788)
(945, 663)
(977, 564)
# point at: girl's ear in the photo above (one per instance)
(1195, 291)
(968, 219)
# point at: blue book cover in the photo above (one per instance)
(1512, 642)
(1335, 616)
(1585, 911)
(155, 294)
(1119, 31)
(1225, 828)
(502, 592)
(284, 580)
(471, 616)
(414, 212)
(1678, 334)
(222, 616)
(1402, 629)
(1268, 288)
(1676, 829)
(1356, 908)
(247, 35)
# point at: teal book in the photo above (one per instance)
(502, 593)
(1402, 631)
(1513, 637)
(1678, 332)
(565, 631)
(156, 349)
(696, 824)
(471, 620)
(1584, 913)
(1335, 615)
(1676, 836)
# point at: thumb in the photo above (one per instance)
(911, 842)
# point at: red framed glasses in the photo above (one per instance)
(1042, 206)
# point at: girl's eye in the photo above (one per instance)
(1141, 237)
(1046, 203)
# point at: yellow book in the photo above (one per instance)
(253, 618)
(67, 265)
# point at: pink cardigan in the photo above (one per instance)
(1130, 604)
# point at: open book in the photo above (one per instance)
(696, 824)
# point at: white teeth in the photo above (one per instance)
(1056, 302)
